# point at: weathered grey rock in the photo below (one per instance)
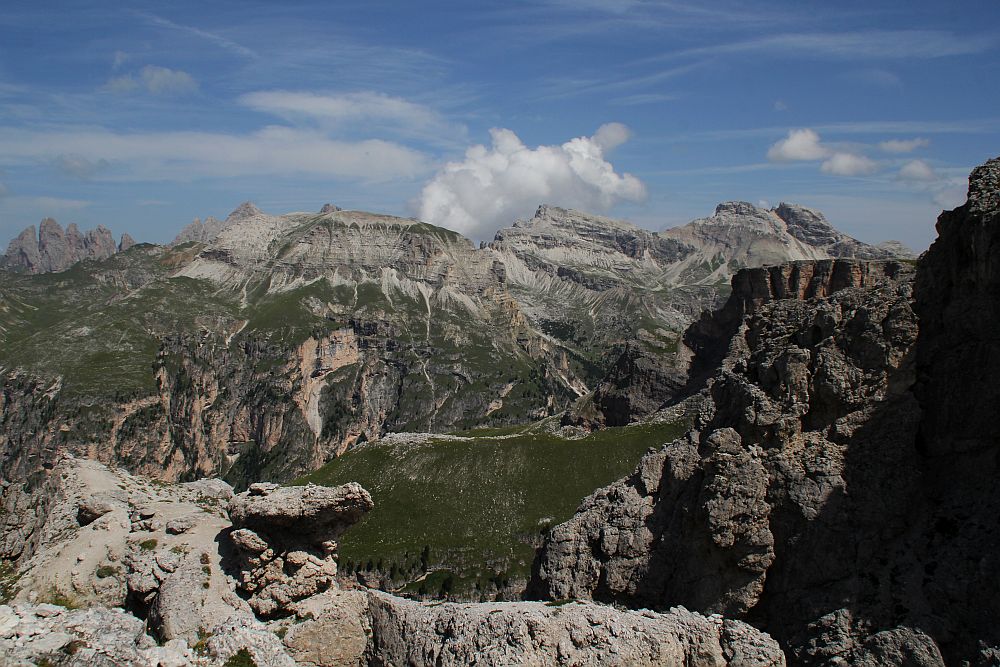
(31, 634)
(191, 598)
(265, 648)
(286, 540)
(332, 629)
(92, 508)
(772, 508)
(406, 632)
(303, 516)
(56, 249)
(181, 524)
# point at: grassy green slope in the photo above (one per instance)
(474, 507)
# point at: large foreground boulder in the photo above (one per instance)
(286, 540)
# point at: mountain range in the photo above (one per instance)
(283, 340)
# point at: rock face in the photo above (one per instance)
(592, 283)
(838, 489)
(55, 249)
(410, 633)
(286, 539)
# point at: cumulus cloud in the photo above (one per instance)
(154, 79)
(848, 164)
(917, 170)
(494, 185)
(904, 145)
(798, 145)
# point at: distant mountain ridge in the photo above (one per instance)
(287, 339)
(55, 249)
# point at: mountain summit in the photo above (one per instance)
(55, 249)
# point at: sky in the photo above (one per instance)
(144, 115)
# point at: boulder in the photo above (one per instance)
(285, 538)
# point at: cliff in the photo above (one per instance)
(838, 489)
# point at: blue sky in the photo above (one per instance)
(143, 115)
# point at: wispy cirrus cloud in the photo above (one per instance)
(852, 45)
(219, 40)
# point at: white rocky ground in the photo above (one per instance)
(130, 572)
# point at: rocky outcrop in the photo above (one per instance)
(47, 634)
(568, 633)
(55, 249)
(286, 538)
(765, 511)
(838, 490)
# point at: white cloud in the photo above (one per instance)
(917, 170)
(181, 156)
(365, 105)
(154, 79)
(120, 59)
(610, 136)
(494, 185)
(848, 164)
(780, 105)
(165, 81)
(798, 145)
(904, 145)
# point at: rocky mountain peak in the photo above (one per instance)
(739, 208)
(984, 188)
(126, 242)
(329, 208)
(897, 249)
(245, 210)
(806, 224)
(56, 249)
